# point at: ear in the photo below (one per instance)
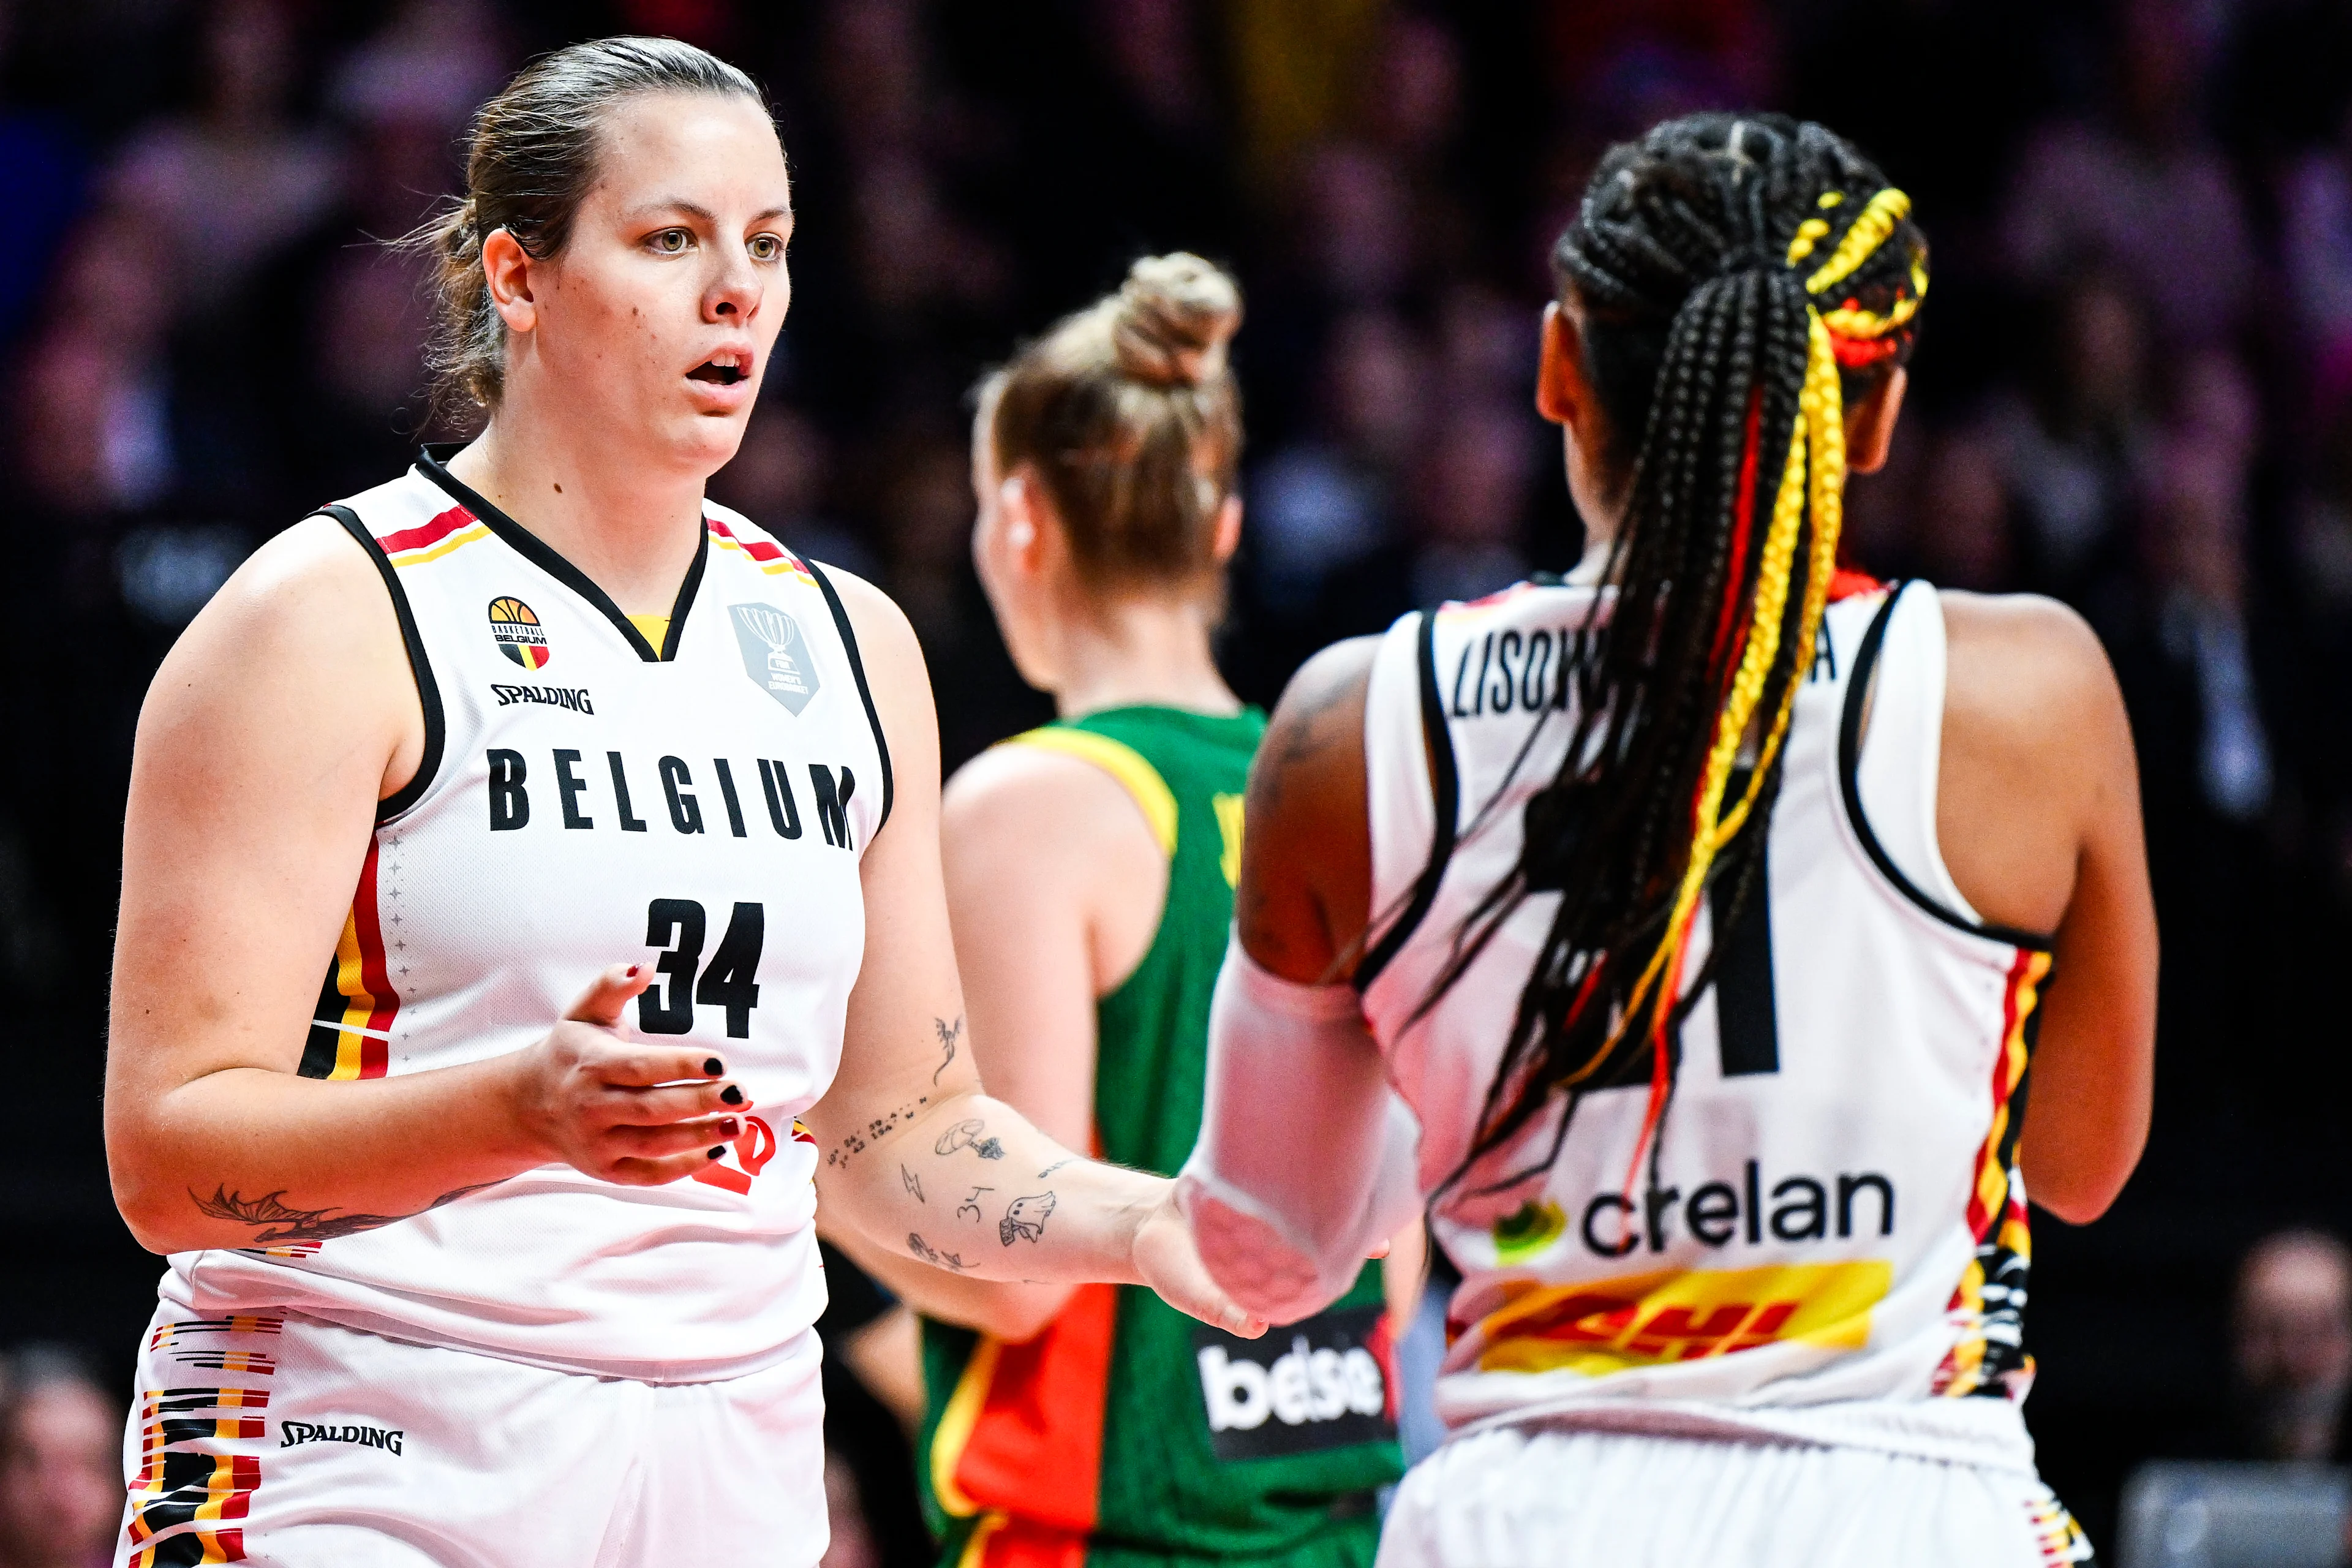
(1562, 393)
(506, 266)
(1228, 536)
(1870, 423)
(1016, 502)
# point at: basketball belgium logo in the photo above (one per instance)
(515, 629)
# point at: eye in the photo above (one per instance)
(671, 241)
(767, 247)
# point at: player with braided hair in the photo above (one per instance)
(1682, 934)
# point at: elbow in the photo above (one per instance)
(1016, 1314)
(156, 1215)
(152, 1200)
(2080, 1192)
(2078, 1208)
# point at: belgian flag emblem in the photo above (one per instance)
(515, 629)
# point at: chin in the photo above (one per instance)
(707, 441)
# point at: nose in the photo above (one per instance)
(735, 294)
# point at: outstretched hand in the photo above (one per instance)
(1167, 1261)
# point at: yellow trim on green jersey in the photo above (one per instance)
(1123, 762)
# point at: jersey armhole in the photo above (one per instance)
(858, 672)
(428, 691)
(1849, 754)
(1446, 788)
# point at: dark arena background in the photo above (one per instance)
(2134, 392)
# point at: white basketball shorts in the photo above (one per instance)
(275, 1440)
(1512, 1497)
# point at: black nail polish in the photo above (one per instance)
(714, 1067)
(732, 1095)
(721, 1149)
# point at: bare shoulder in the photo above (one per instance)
(1061, 839)
(899, 682)
(1306, 887)
(2025, 662)
(1316, 731)
(231, 724)
(1038, 795)
(298, 582)
(890, 653)
(884, 635)
(2036, 755)
(307, 610)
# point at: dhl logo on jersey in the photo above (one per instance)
(1647, 1319)
(515, 628)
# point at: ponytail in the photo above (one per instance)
(1698, 263)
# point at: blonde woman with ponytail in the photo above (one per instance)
(1683, 934)
(531, 881)
(1090, 871)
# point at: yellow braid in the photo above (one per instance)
(1887, 208)
(1763, 646)
(1812, 483)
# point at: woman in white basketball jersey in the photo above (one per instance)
(612, 826)
(1682, 934)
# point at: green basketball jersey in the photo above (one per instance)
(1126, 1432)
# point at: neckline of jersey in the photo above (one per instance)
(432, 461)
(1249, 713)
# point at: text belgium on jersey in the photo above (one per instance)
(585, 801)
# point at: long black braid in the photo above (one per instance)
(1699, 261)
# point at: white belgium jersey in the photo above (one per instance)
(587, 799)
(1834, 1246)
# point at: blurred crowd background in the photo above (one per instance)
(2134, 392)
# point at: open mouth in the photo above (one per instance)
(721, 369)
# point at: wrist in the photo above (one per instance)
(1132, 1215)
(521, 1130)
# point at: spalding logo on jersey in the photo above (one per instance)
(775, 655)
(515, 628)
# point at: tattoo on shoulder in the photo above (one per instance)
(275, 1222)
(873, 1131)
(1026, 1218)
(967, 1135)
(914, 1183)
(937, 1258)
(948, 1035)
(1306, 719)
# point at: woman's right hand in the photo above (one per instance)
(619, 1109)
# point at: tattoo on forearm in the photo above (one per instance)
(967, 1135)
(873, 1131)
(1056, 1165)
(914, 1183)
(274, 1221)
(1025, 1217)
(948, 1034)
(973, 1203)
(935, 1256)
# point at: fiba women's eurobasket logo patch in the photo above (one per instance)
(775, 655)
(515, 629)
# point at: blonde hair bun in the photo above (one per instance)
(1172, 320)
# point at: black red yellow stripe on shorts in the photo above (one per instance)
(191, 1488)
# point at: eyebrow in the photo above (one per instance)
(697, 209)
